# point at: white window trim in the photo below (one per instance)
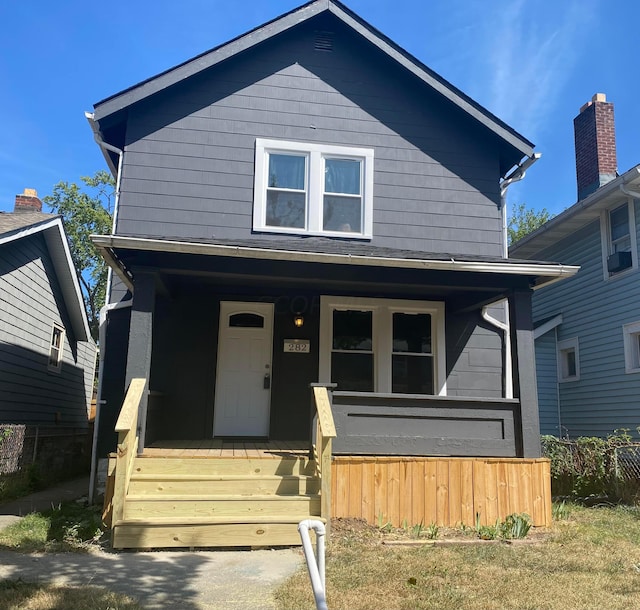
(315, 189)
(57, 366)
(383, 310)
(564, 346)
(630, 333)
(605, 239)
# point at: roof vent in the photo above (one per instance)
(324, 42)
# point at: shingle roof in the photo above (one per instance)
(17, 226)
(10, 221)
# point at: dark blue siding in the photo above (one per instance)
(189, 157)
(30, 303)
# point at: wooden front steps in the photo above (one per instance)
(217, 501)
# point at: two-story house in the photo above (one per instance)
(47, 354)
(588, 328)
(310, 204)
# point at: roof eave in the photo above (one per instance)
(589, 207)
(543, 273)
(136, 93)
(56, 241)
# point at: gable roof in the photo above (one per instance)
(516, 145)
(14, 227)
(578, 215)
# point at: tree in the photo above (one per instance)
(523, 221)
(87, 210)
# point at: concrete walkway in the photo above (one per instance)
(200, 580)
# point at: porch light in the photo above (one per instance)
(298, 320)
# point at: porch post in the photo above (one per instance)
(140, 341)
(524, 372)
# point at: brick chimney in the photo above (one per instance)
(28, 202)
(595, 139)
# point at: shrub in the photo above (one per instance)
(592, 466)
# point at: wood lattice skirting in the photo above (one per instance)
(445, 491)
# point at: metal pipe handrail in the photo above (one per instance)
(315, 563)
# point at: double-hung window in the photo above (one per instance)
(618, 239)
(383, 345)
(56, 346)
(631, 336)
(313, 189)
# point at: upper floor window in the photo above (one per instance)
(618, 240)
(313, 189)
(56, 347)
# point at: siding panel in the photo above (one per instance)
(190, 152)
(30, 303)
(594, 310)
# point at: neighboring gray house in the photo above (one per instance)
(588, 328)
(47, 355)
(310, 203)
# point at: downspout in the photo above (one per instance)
(102, 331)
(515, 176)
(555, 332)
(97, 136)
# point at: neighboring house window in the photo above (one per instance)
(631, 334)
(568, 360)
(313, 189)
(56, 348)
(618, 240)
(383, 345)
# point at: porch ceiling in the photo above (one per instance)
(466, 282)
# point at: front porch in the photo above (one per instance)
(216, 492)
(436, 415)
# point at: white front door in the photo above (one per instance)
(243, 379)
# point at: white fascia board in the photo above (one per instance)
(56, 240)
(445, 89)
(552, 271)
(543, 329)
(280, 24)
(68, 277)
(577, 216)
(28, 230)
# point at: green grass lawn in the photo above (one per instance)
(588, 560)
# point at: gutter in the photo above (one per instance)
(107, 243)
(515, 176)
(599, 196)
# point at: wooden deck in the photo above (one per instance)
(223, 448)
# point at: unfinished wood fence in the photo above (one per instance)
(445, 491)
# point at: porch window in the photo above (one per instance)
(315, 189)
(383, 345)
(352, 350)
(412, 358)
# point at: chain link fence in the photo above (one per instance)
(590, 467)
(54, 452)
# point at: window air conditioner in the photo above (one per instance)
(618, 261)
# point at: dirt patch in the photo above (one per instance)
(348, 529)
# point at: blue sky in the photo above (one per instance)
(532, 63)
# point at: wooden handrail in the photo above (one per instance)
(325, 432)
(127, 429)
